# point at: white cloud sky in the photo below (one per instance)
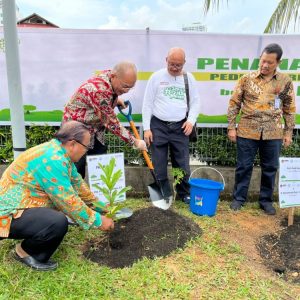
(239, 16)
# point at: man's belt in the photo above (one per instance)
(169, 123)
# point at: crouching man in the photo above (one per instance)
(39, 189)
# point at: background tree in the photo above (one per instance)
(286, 13)
(29, 108)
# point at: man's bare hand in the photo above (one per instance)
(148, 137)
(120, 102)
(107, 224)
(287, 141)
(232, 135)
(140, 145)
(187, 127)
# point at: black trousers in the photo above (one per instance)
(98, 149)
(42, 230)
(269, 151)
(170, 136)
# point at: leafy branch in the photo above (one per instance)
(110, 179)
(178, 175)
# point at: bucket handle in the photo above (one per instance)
(211, 169)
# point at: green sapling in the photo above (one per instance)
(110, 179)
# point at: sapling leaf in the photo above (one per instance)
(114, 194)
(109, 179)
(117, 175)
(114, 179)
(112, 213)
(115, 209)
(124, 190)
(100, 204)
(96, 186)
(108, 169)
(104, 179)
(111, 165)
(106, 195)
(101, 189)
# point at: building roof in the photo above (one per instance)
(35, 19)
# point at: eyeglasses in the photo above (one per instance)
(177, 66)
(87, 147)
(124, 85)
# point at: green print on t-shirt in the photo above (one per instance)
(174, 93)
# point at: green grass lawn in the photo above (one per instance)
(210, 267)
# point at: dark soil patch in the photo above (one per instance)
(149, 232)
(281, 251)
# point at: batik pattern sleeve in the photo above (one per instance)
(55, 180)
(235, 103)
(92, 104)
(105, 112)
(288, 107)
(83, 190)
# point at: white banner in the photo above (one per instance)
(55, 62)
(289, 182)
(95, 172)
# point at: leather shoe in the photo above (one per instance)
(268, 209)
(35, 264)
(236, 205)
(186, 199)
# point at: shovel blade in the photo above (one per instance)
(157, 198)
(124, 213)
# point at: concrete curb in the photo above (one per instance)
(139, 177)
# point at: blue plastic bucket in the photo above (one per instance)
(204, 196)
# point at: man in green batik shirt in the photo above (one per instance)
(39, 189)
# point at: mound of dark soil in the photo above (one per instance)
(281, 251)
(149, 232)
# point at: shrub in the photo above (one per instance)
(212, 146)
(34, 135)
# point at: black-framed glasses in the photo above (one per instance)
(87, 147)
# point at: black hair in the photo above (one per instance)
(273, 48)
(71, 130)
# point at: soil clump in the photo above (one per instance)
(281, 250)
(149, 232)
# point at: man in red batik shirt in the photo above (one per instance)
(93, 104)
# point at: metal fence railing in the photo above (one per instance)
(212, 146)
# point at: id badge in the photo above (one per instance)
(277, 102)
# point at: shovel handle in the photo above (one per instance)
(135, 132)
(145, 154)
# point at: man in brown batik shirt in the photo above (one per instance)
(262, 99)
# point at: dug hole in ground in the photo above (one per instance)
(270, 246)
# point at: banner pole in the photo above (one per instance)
(14, 76)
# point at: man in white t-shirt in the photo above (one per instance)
(165, 120)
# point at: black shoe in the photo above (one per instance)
(236, 205)
(186, 199)
(268, 209)
(35, 264)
